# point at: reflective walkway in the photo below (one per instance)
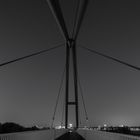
(70, 136)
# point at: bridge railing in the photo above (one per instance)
(52, 134)
(101, 135)
(33, 135)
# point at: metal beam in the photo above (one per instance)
(71, 103)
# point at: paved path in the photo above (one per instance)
(70, 136)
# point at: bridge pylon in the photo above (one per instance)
(70, 48)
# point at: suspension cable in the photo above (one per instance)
(30, 55)
(63, 108)
(81, 16)
(81, 92)
(76, 15)
(111, 58)
(80, 120)
(58, 96)
(84, 105)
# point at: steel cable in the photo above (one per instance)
(30, 55)
(111, 58)
(58, 96)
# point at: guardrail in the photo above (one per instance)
(33, 135)
(101, 135)
(53, 134)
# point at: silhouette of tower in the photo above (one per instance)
(70, 48)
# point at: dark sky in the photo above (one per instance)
(28, 88)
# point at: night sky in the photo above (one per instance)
(28, 88)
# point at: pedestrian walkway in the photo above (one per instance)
(70, 136)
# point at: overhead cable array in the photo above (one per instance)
(58, 96)
(30, 55)
(83, 101)
(75, 18)
(110, 57)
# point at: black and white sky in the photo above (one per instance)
(28, 89)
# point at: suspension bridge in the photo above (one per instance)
(71, 46)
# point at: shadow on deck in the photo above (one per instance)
(70, 136)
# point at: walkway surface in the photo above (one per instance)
(70, 136)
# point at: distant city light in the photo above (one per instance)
(99, 127)
(59, 127)
(105, 125)
(70, 125)
(121, 125)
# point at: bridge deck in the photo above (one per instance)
(63, 134)
(70, 136)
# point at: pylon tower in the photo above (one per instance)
(70, 48)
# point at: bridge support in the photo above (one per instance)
(71, 48)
